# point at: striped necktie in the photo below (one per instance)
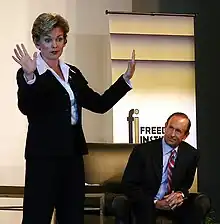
(171, 163)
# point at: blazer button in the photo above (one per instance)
(67, 110)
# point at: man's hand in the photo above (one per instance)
(175, 199)
(162, 204)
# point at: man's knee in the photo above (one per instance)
(121, 206)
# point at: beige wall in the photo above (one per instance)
(87, 48)
(92, 56)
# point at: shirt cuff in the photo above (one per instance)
(181, 194)
(128, 81)
(30, 82)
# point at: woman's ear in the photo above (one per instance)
(37, 45)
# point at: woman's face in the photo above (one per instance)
(52, 44)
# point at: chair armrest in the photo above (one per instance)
(201, 201)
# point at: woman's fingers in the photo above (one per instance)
(20, 51)
(17, 54)
(16, 60)
(24, 49)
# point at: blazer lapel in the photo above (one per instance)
(71, 81)
(157, 159)
(77, 82)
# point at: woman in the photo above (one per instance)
(51, 94)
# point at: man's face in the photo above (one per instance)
(175, 131)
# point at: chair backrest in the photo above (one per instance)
(108, 160)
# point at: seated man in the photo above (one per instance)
(159, 174)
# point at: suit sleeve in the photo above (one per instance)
(132, 179)
(101, 103)
(30, 97)
(190, 175)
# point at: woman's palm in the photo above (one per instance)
(23, 58)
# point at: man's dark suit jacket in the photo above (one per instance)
(47, 106)
(143, 173)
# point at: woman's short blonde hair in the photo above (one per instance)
(45, 23)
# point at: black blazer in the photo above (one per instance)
(143, 173)
(47, 106)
